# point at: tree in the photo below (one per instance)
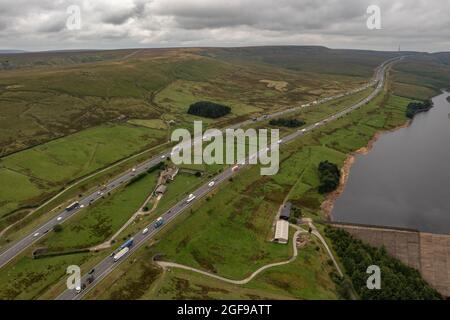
(414, 108)
(208, 109)
(329, 175)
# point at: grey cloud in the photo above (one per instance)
(418, 24)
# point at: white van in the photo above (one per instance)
(190, 198)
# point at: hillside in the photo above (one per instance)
(47, 95)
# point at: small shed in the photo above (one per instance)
(161, 189)
(282, 232)
(285, 213)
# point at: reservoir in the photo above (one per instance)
(404, 181)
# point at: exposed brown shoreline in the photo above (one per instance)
(328, 205)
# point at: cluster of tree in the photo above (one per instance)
(290, 123)
(415, 107)
(296, 213)
(208, 109)
(398, 281)
(329, 175)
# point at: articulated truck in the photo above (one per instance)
(73, 206)
(123, 249)
(127, 243)
(120, 254)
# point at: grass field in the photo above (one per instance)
(305, 278)
(29, 278)
(38, 172)
(422, 76)
(101, 220)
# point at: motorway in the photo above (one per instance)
(18, 247)
(107, 265)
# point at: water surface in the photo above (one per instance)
(405, 180)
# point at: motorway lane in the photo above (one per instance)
(108, 264)
(18, 247)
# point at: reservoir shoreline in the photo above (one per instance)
(401, 181)
(328, 204)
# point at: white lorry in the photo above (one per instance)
(120, 254)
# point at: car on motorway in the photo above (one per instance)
(211, 184)
(145, 231)
(59, 219)
(159, 222)
(36, 234)
(280, 141)
(78, 290)
(190, 198)
(163, 156)
(133, 170)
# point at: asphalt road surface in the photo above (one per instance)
(102, 269)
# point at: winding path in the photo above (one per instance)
(166, 265)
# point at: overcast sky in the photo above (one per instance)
(422, 25)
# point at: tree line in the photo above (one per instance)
(208, 109)
(290, 123)
(398, 281)
(414, 108)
